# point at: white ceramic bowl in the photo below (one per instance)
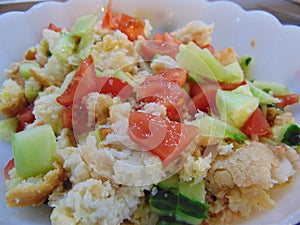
(276, 57)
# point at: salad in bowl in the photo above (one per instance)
(134, 117)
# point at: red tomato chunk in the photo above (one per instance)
(163, 138)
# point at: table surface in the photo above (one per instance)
(287, 11)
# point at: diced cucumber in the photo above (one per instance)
(246, 62)
(83, 28)
(264, 97)
(186, 206)
(32, 89)
(25, 68)
(84, 25)
(191, 207)
(234, 73)
(276, 88)
(252, 90)
(163, 202)
(194, 59)
(7, 128)
(201, 63)
(192, 191)
(65, 46)
(85, 46)
(245, 89)
(278, 132)
(217, 68)
(183, 217)
(291, 136)
(213, 127)
(34, 150)
(170, 184)
(235, 108)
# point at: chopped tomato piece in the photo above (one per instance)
(108, 17)
(204, 99)
(85, 81)
(75, 114)
(195, 87)
(164, 91)
(114, 86)
(204, 95)
(86, 69)
(163, 138)
(286, 100)
(257, 124)
(230, 86)
(174, 74)
(162, 44)
(151, 47)
(25, 117)
(89, 82)
(131, 26)
(10, 165)
(55, 28)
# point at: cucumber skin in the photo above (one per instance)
(163, 202)
(246, 63)
(170, 184)
(184, 206)
(195, 209)
(276, 88)
(291, 136)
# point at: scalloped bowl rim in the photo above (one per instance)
(268, 33)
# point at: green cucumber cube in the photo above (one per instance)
(201, 63)
(65, 46)
(275, 87)
(191, 206)
(84, 25)
(25, 68)
(32, 89)
(235, 108)
(234, 73)
(213, 127)
(34, 150)
(264, 97)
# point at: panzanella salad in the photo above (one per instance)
(111, 124)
